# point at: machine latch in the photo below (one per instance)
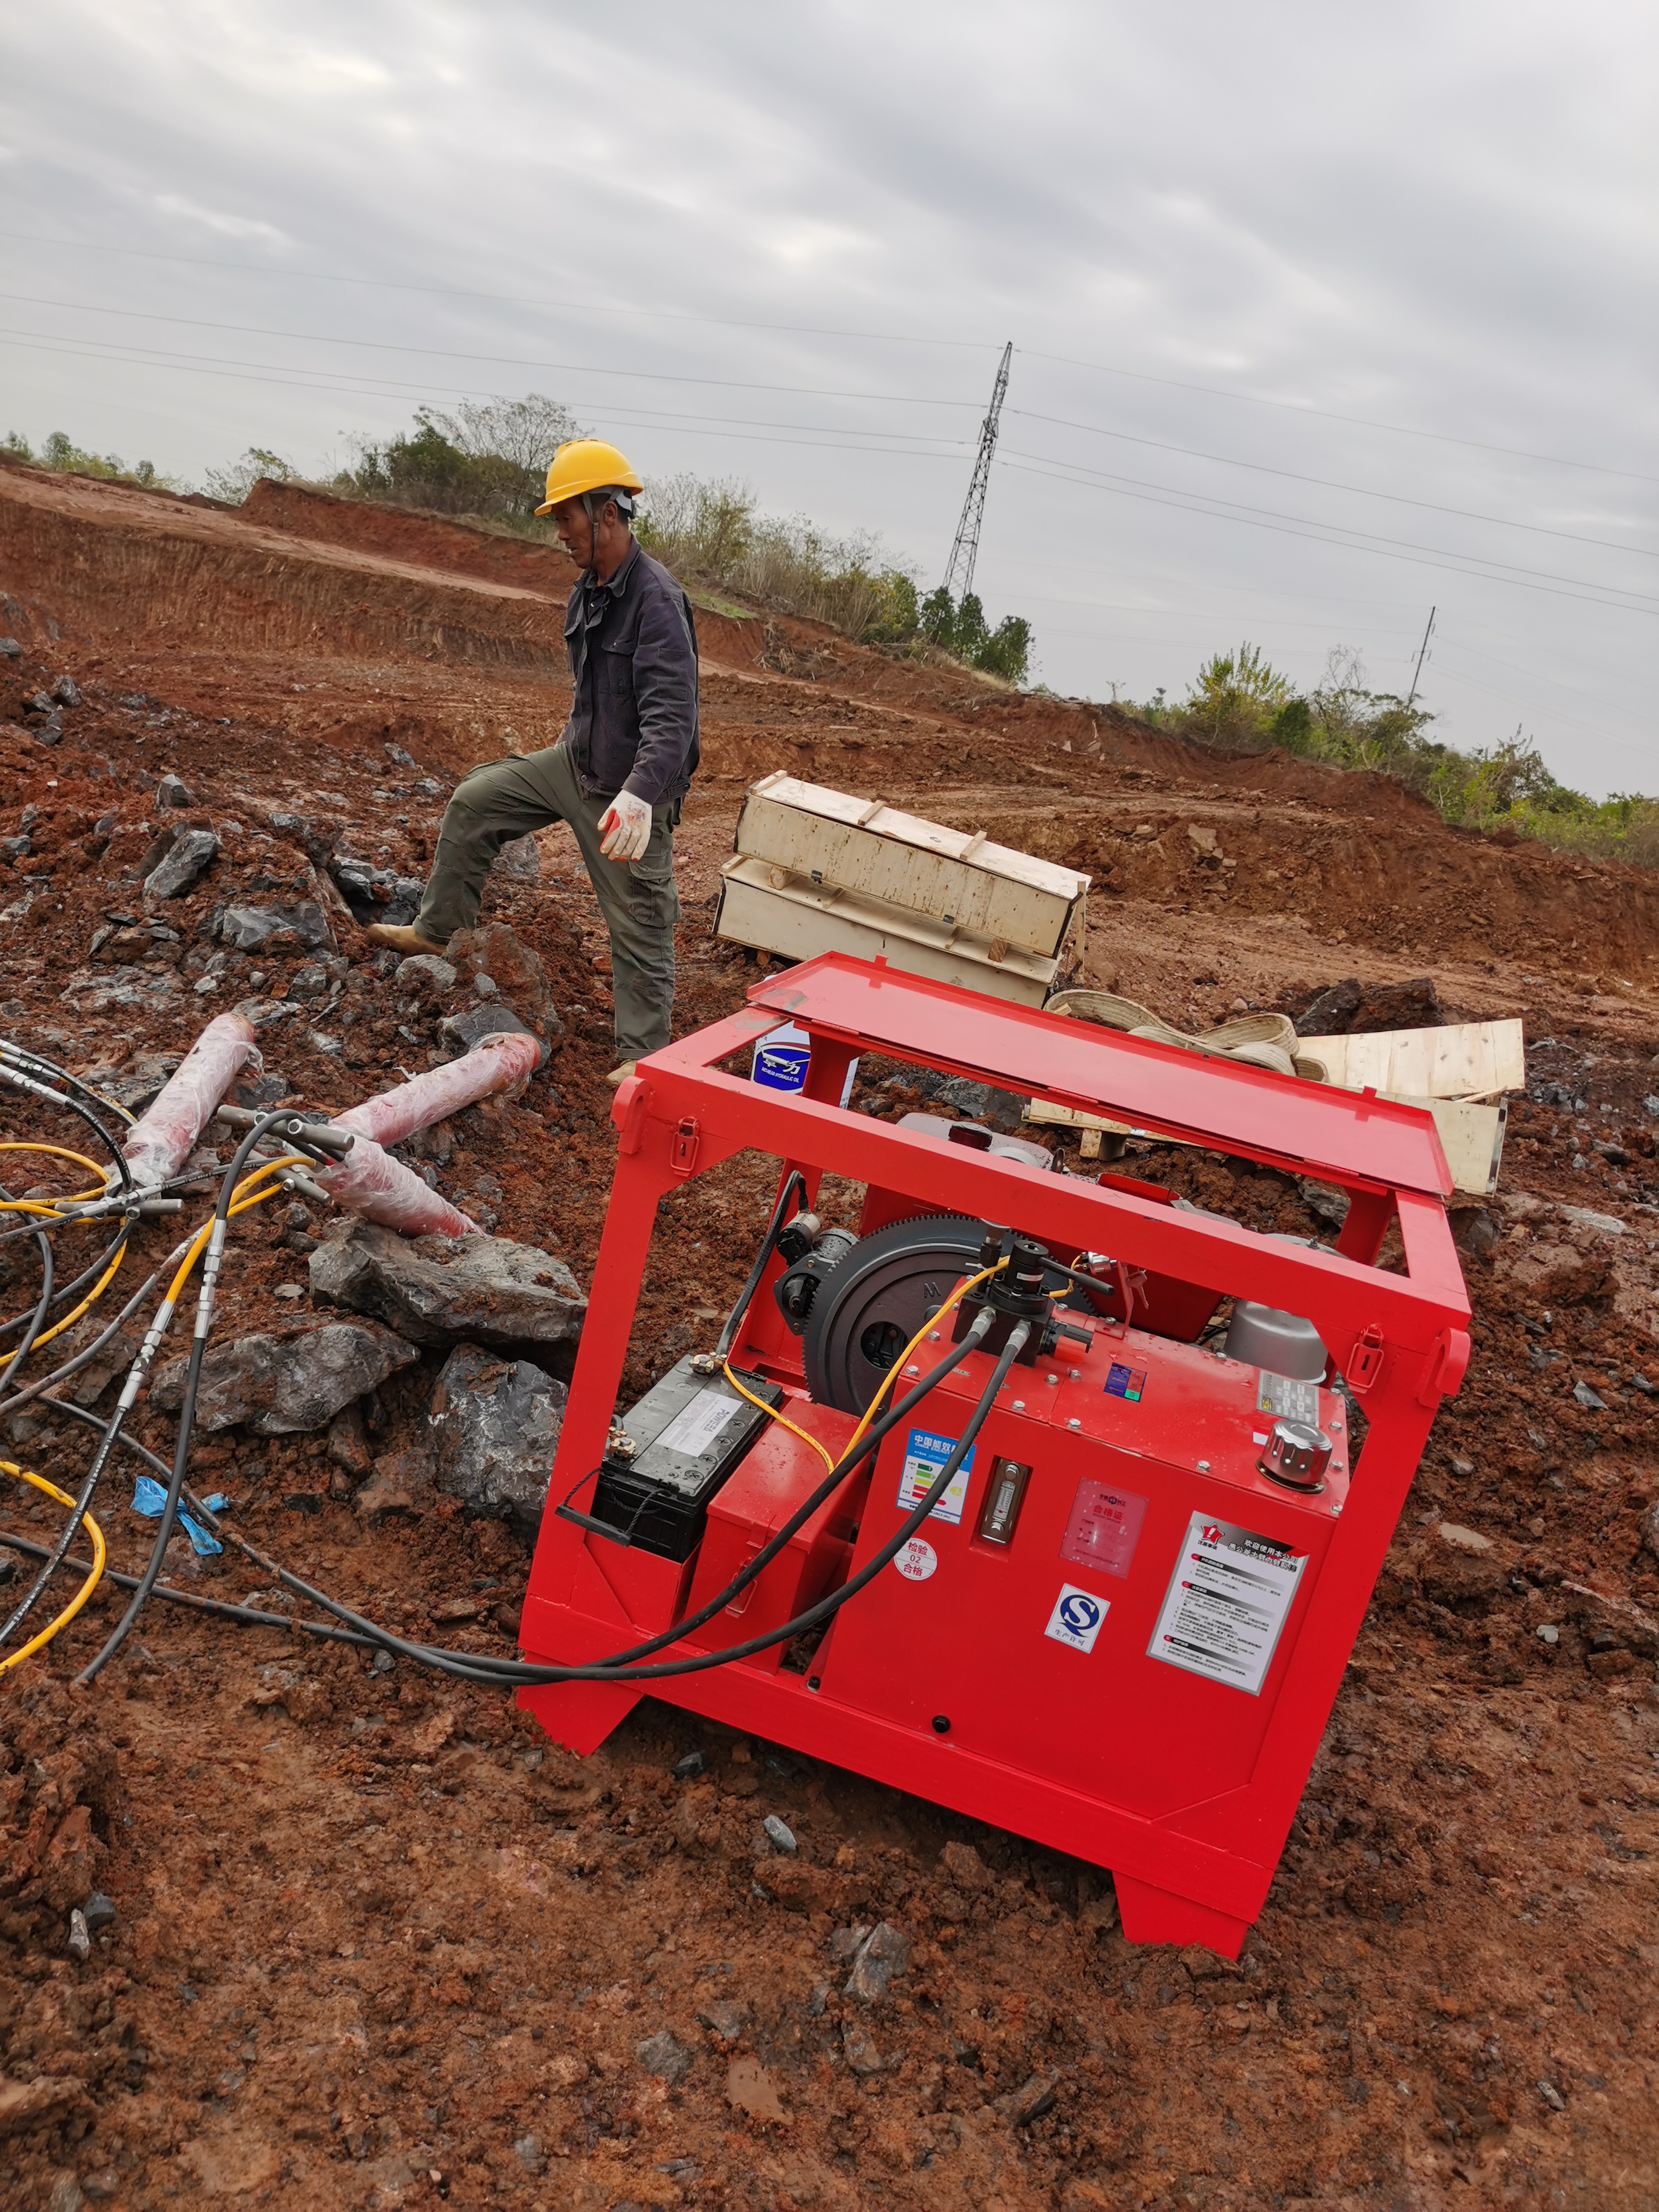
(682, 1154)
(1448, 1360)
(1365, 1363)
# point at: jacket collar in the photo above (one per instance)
(616, 582)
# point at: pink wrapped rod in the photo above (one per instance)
(372, 1183)
(495, 1063)
(161, 1140)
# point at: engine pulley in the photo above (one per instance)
(868, 1309)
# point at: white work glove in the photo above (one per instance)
(625, 828)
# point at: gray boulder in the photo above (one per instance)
(245, 928)
(437, 1292)
(884, 1954)
(520, 858)
(494, 1427)
(174, 790)
(181, 864)
(285, 1382)
(462, 1031)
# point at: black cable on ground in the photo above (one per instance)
(83, 1358)
(37, 1319)
(244, 1616)
(509, 1673)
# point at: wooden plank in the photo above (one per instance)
(1462, 1060)
(955, 877)
(800, 918)
(1471, 1135)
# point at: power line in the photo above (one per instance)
(1324, 534)
(497, 299)
(755, 433)
(493, 359)
(1327, 415)
(1329, 483)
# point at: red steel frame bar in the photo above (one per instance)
(1401, 1339)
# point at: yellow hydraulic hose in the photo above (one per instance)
(98, 1555)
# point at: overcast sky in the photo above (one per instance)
(1322, 315)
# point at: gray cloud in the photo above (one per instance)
(1438, 218)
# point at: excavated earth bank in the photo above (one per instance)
(376, 1943)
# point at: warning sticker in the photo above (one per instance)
(1226, 1604)
(1125, 1382)
(695, 1426)
(1105, 1526)
(1286, 1399)
(924, 1455)
(915, 1560)
(1077, 1616)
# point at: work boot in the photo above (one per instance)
(400, 937)
(620, 1075)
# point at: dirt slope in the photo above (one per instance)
(375, 1944)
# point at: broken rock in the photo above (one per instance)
(883, 1954)
(664, 2055)
(303, 924)
(182, 863)
(495, 1426)
(516, 971)
(283, 1383)
(462, 1031)
(483, 1291)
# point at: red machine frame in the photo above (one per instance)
(1200, 1874)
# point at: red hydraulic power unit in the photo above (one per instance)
(1122, 1627)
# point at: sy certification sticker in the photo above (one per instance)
(925, 1454)
(1077, 1616)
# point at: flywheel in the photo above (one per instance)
(867, 1309)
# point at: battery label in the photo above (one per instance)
(695, 1426)
(925, 1454)
(1227, 1603)
(1286, 1399)
(1125, 1382)
(1103, 1527)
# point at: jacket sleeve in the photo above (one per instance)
(664, 696)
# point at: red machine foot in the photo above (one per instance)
(580, 1714)
(1158, 1915)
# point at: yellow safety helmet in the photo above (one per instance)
(587, 464)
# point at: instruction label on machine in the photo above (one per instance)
(924, 1455)
(1286, 1399)
(695, 1426)
(1227, 1603)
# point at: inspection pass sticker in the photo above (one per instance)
(916, 1559)
(1227, 1603)
(1076, 1618)
(925, 1454)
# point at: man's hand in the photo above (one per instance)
(625, 828)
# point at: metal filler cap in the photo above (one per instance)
(1297, 1455)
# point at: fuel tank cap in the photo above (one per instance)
(1297, 1454)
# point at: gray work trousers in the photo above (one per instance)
(505, 799)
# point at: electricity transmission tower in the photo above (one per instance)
(959, 569)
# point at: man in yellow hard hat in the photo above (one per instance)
(622, 764)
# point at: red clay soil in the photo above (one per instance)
(375, 1943)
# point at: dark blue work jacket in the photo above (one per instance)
(634, 668)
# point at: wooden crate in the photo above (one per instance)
(816, 870)
(767, 906)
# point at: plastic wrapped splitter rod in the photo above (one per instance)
(495, 1063)
(161, 1140)
(372, 1183)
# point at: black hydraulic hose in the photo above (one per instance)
(111, 1436)
(87, 1275)
(244, 1616)
(37, 1318)
(187, 1411)
(83, 1358)
(474, 1666)
(795, 1179)
(523, 1670)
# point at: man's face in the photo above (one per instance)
(575, 531)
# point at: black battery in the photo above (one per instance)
(689, 1431)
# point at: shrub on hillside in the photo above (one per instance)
(60, 451)
(963, 632)
(1239, 703)
(488, 458)
(712, 532)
